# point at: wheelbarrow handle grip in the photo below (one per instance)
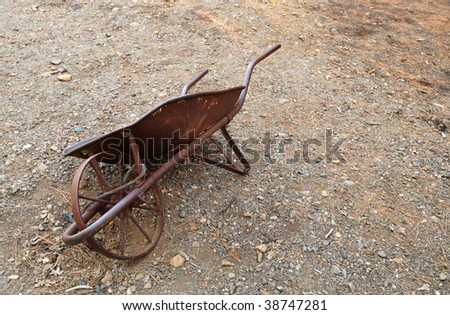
(194, 81)
(250, 67)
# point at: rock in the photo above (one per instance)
(185, 256)
(351, 287)
(65, 77)
(78, 129)
(271, 255)
(195, 244)
(182, 214)
(107, 278)
(231, 275)
(226, 263)
(42, 167)
(247, 215)
(382, 254)
(398, 260)
(261, 248)
(335, 270)
(55, 61)
(148, 285)
(325, 193)
(305, 193)
(283, 100)
(324, 175)
(177, 261)
(260, 257)
(27, 146)
(425, 287)
(13, 277)
(442, 276)
(348, 183)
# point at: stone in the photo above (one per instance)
(335, 270)
(226, 263)
(231, 275)
(259, 258)
(442, 276)
(351, 287)
(271, 255)
(325, 193)
(177, 261)
(261, 248)
(55, 61)
(349, 183)
(65, 77)
(42, 167)
(398, 260)
(382, 254)
(107, 278)
(425, 287)
(148, 285)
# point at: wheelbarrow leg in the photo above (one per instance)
(230, 165)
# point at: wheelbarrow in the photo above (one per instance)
(116, 204)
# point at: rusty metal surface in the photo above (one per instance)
(187, 122)
(182, 117)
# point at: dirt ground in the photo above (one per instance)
(375, 74)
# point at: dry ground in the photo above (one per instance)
(376, 74)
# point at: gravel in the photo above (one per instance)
(376, 223)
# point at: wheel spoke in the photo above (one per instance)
(121, 236)
(96, 200)
(140, 227)
(101, 180)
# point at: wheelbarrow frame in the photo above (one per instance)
(78, 232)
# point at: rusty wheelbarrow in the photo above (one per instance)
(116, 204)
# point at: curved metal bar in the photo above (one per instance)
(248, 74)
(74, 236)
(191, 83)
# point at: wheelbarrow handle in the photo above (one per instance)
(194, 81)
(248, 74)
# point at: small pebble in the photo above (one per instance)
(261, 248)
(349, 183)
(108, 277)
(442, 276)
(382, 254)
(259, 258)
(226, 263)
(177, 261)
(65, 77)
(55, 61)
(351, 287)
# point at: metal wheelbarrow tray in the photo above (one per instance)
(116, 203)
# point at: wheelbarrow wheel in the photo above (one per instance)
(97, 187)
